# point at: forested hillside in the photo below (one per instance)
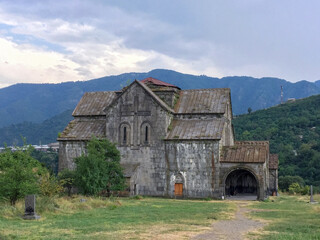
(293, 130)
(35, 133)
(38, 102)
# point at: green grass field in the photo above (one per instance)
(124, 218)
(288, 217)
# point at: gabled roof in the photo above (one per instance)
(187, 129)
(93, 103)
(246, 152)
(83, 130)
(203, 101)
(273, 161)
(148, 90)
(157, 82)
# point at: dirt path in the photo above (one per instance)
(234, 229)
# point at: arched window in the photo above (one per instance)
(124, 134)
(124, 140)
(145, 133)
(146, 137)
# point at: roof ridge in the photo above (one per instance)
(101, 92)
(199, 89)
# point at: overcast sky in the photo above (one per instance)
(57, 41)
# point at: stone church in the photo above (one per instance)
(173, 142)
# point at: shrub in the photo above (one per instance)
(294, 188)
(286, 181)
(67, 178)
(305, 190)
(100, 169)
(50, 185)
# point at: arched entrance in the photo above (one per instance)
(241, 184)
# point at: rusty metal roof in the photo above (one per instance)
(246, 152)
(273, 161)
(83, 130)
(196, 129)
(203, 101)
(157, 82)
(93, 103)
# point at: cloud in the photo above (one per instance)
(73, 40)
(25, 63)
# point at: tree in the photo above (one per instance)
(19, 174)
(100, 169)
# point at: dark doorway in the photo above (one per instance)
(241, 183)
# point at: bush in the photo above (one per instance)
(50, 185)
(305, 190)
(100, 169)
(67, 178)
(286, 181)
(294, 188)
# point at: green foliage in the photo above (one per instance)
(100, 169)
(49, 159)
(136, 197)
(286, 181)
(35, 133)
(294, 188)
(50, 186)
(19, 174)
(293, 130)
(305, 190)
(68, 179)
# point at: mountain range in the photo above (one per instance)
(38, 102)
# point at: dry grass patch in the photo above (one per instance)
(116, 218)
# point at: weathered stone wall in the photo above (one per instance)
(167, 96)
(273, 180)
(191, 162)
(137, 109)
(68, 150)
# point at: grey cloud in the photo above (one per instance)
(280, 38)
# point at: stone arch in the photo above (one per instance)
(241, 180)
(124, 134)
(145, 133)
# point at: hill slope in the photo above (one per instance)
(37, 102)
(35, 133)
(293, 130)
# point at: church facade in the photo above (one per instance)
(173, 142)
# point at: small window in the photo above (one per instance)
(146, 139)
(145, 133)
(124, 135)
